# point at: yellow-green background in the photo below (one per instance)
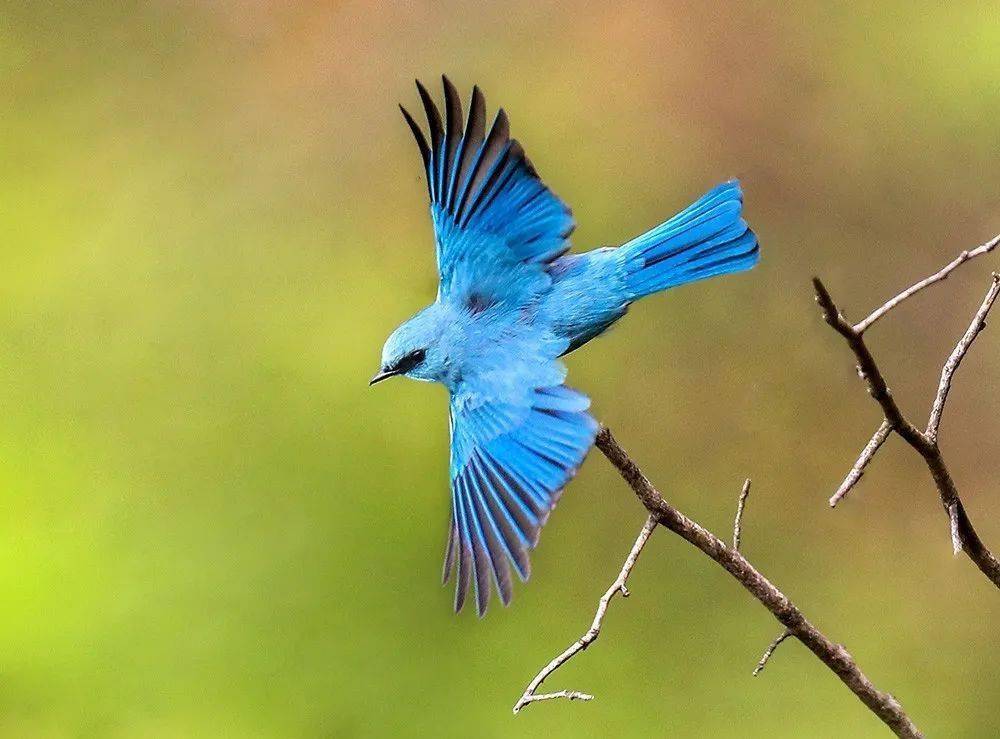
(211, 214)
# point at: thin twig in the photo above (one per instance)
(833, 655)
(618, 586)
(961, 349)
(963, 533)
(769, 651)
(858, 470)
(737, 525)
(942, 274)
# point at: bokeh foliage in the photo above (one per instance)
(211, 215)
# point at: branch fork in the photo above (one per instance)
(964, 537)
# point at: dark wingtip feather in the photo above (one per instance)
(482, 601)
(506, 590)
(449, 553)
(432, 113)
(452, 136)
(425, 152)
(506, 519)
(491, 535)
(464, 576)
(451, 94)
(477, 104)
(468, 152)
(436, 133)
(481, 567)
(475, 127)
(503, 122)
(492, 149)
(453, 109)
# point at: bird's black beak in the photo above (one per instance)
(382, 375)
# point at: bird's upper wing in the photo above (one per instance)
(518, 436)
(491, 211)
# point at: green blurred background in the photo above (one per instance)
(211, 216)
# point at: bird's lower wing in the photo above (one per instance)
(510, 460)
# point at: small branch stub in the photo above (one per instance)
(738, 523)
(769, 651)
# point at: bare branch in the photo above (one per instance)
(977, 325)
(942, 274)
(769, 651)
(963, 534)
(618, 586)
(858, 470)
(833, 655)
(737, 525)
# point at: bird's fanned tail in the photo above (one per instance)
(706, 239)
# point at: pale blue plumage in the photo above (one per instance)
(510, 303)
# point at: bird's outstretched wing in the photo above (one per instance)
(512, 452)
(490, 209)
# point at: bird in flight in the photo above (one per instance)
(510, 302)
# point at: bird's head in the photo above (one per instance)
(415, 349)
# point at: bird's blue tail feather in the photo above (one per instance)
(706, 239)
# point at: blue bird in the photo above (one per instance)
(510, 302)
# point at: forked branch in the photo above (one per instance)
(833, 655)
(618, 586)
(964, 537)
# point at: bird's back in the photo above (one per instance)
(587, 295)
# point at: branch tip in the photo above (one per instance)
(866, 456)
(738, 523)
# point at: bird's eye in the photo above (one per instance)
(411, 360)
